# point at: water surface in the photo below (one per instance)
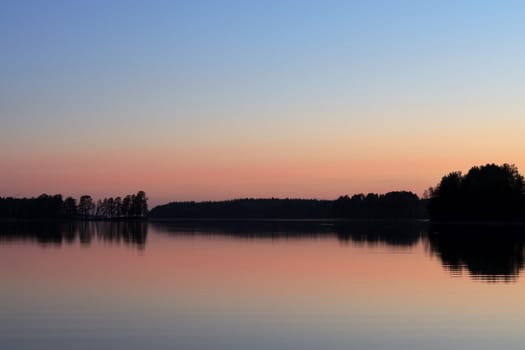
(260, 285)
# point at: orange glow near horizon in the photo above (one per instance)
(317, 107)
(302, 165)
(203, 174)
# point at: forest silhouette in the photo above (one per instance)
(133, 206)
(486, 193)
(392, 205)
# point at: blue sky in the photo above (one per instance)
(293, 78)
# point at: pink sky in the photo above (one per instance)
(198, 101)
(219, 172)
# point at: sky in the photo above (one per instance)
(210, 100)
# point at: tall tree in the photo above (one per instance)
(118, 207)
(86, 206)
(126, 206)
(139, 204)
(70, 207)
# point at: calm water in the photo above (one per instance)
(260, 285)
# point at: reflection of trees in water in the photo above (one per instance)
(390, 233)
(489, 253)
(247, 229)
(396, 233)
(58, 233)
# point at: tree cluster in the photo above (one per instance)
(488, 192)
(46, 206)
(391, 205)
(134, 206)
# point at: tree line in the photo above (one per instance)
(486, 193)
(133, 206)
(399, 205)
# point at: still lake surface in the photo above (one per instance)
(260, 285)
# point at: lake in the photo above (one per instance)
(261, 285)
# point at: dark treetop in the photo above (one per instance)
(486, 193)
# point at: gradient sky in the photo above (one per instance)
(222, 99)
